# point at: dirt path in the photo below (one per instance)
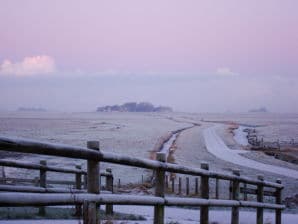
(217, 147)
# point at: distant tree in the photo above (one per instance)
(135, 107)
(130, 106)
(145, 107)
(163, 109)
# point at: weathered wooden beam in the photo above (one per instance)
(26, 165)
(235, 196)
(93, 184)
(179, 185)
(204, 210)
(278, 202)
(42, 184)
(247, 191)
(187, 185)
(109, 187)
(196, 185)
(78, 179)
(159, 189)
(173, 185)
(36, 199)
(216, 188)
(260, 195)
(31, 189)
(244, 191)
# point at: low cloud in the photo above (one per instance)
(225, 71)
(35, 65)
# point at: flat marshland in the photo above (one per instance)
(137, 135)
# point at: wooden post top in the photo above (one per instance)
(278, 181)
(79, 167)
(43, 162)
(161, 156)
(93, 145)
(261, 177)
(205, 166)
(236, 172)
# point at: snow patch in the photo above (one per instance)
(240, 136)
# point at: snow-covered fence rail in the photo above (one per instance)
(43, 167)
(94, 156)
(43, 181)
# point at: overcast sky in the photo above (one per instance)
(196, 56)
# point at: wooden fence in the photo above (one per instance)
(8, 184)
(94, 197)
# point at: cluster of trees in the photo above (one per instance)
(35, 109)
(259, 110)
(135, 107)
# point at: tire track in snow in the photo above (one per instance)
(217, 147)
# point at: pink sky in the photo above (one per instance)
(242, 39)
(250, 37)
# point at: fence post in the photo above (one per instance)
(187, 185)
(245, 194)
(119, 183)
(42, 183)
(173, 185)
(109, 187)
(204, 211)
(179, 185)
(85, 212)
(196, 185)
(93, 185)
(85, 181)
(3, 176)
(260, 195)
(79, 187)
(36, 181)
(230, 190)
(166, 181)
(235, 196)
(159, 189)
(278, 201)
(216, 188)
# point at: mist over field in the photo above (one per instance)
(183, 92)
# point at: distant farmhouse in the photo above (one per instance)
(134, 107)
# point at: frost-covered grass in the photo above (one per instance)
(175, 215)
(23, 213)
(134, 134)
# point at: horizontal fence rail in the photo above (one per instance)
(18, 164)
(25, 146)
(90, 200)
(16, 199)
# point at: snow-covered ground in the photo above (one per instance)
(167, 145)
(133, 134)
(217, 147)
(240, 136)
(180, 215)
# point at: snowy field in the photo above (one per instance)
(175, 215)
(133, 134)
